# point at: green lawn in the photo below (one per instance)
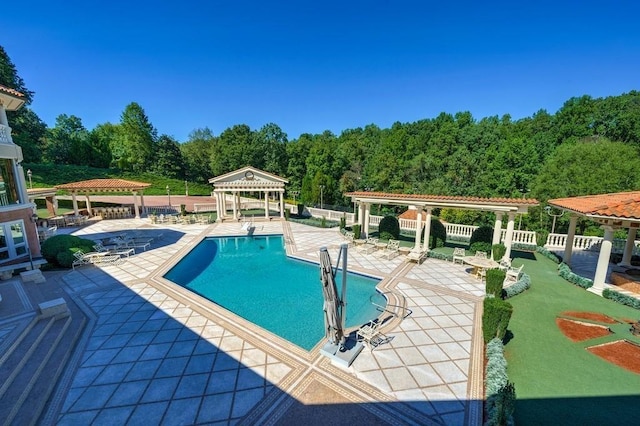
(557, 380)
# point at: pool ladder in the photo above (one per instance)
(399, 309)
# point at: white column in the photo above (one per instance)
(235, 206)
(266, 204)
(361, 215)
(628, 247)
(143, 209)
(218, 206)
(508, 237)
(427, 230)
(281, 204)
(75, 203)
(88, 205)
(497, 229)
(603, 260)
(136, 210)
(571, 233)
(22, 188)
(416, 247)
(367, 213)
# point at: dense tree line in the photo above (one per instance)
(591, 145)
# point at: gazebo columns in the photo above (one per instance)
(88, 201)
(135, 205)
(508, 237)
(497, 229)
(427, 229)
(603, 260)
(282, 204)
(75, 202)
(628, 247)
(571, 234)
(266, 205)
(417, 246)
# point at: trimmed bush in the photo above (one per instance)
(343, 222)
(498, 251)
(565, 272)
(300, 209)
(495, 279)
(541, 237)
(549, 255)
(524, 283)
(483, 234)
(437, 234)
(496, 370)
(621, 298)
(287, 214)
(386, 236)
(440, 256)
(495, 318)
(390, 225)
(356, 231)
(323, 222)
(500, 407)
(480, 246)
(59, 249)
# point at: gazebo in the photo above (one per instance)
(425, 203)
(246, 179)
(99, 186)
(613, 211)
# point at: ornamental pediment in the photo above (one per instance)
(248, 177)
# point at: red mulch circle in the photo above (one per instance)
(593, 316)
(621, 353)
(579, 331)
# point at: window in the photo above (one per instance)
(8, 189)
(13, 241)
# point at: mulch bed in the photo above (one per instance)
(627, 281)
(621, 353)
(579, 331)
(593, 316)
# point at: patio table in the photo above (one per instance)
(480, 263)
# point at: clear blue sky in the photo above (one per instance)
(315, 66)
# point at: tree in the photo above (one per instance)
(67, 142)
(271, 145)
(167, 160)
(100, 141)
(233, 150)
(196, 153)
(134, 147)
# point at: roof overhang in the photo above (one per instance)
(11, 99)
(621, 209)
(515, 205)
(103, 185)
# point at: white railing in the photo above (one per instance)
(521, 237)
(581, 242)
(208, 207)
(5, 134)
(330, 214)
(459, 231)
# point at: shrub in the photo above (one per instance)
(441, 256)
(565, 272)
(391, 225)
(495, 318)
(343, 222)
(549, 255)
(524, 283)
(541, 237)
(495, 279)
(438, 234)
(501, 394)
(621, 298)
(482, 234)
(498, 251)
(300, 209)
(500, 407)
(59, 249)
(480, 246)
(323, 222)
(287, 214)
(386, 236)
(356, 231)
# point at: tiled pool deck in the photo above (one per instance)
(153, 353)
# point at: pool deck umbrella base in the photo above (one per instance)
(344, 358)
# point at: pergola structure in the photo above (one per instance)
(49, 194)
(100, 186)
(619, 210)
(424, 204)
(246, 179)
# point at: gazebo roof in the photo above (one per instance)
(619, 205)
(104, 185)
(11, 98)
(248, 178)
(519, 205)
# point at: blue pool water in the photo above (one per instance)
(253, 277)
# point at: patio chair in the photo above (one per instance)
(120, 252)
(458, 255)
(504, 264)
(369, 246)
(108, 260)
(370, 334)
(482, 254)
(391, 251)
(82, 258)
(417, 256)
(349, 237)
(513, 274)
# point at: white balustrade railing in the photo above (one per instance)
(459, 231)
(521, 237)
(581, 242)
(330, 214)
(5, 134)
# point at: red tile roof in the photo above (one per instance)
(624, 205)
(444, 198)
(104, 185)
(11, 91)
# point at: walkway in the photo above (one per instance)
(152, 352)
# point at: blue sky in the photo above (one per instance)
(315, 66)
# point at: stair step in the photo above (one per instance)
(20, 382)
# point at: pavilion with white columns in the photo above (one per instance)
(246, 180)
(424, 205)
(614, 211)
(100, 186)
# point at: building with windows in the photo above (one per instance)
(18, 233)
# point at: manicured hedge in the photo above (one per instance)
(389, 224)
(498, 251)
(441, 256)
(356, 231)
(495, 279)
(501, 394)
(565, 272)
(621, 298)
(549, 255)
(437, 234)
(482, 234)
(495, 318)
(524, 283)
(59, 249)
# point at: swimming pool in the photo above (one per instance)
(253, 277)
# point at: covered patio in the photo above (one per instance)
(101, 186)
(424, 204)
(614, 211)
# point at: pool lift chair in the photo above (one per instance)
(341, 348)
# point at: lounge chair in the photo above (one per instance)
(417, 256)
(120, 252)
(349, 237)
(108, 260)
(82, 258)
(390, 251)
(369, 246)
(458, 255)
(370, 334)
(513, 274)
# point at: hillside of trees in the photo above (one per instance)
(590, 145)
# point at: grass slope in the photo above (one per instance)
(558, 381)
